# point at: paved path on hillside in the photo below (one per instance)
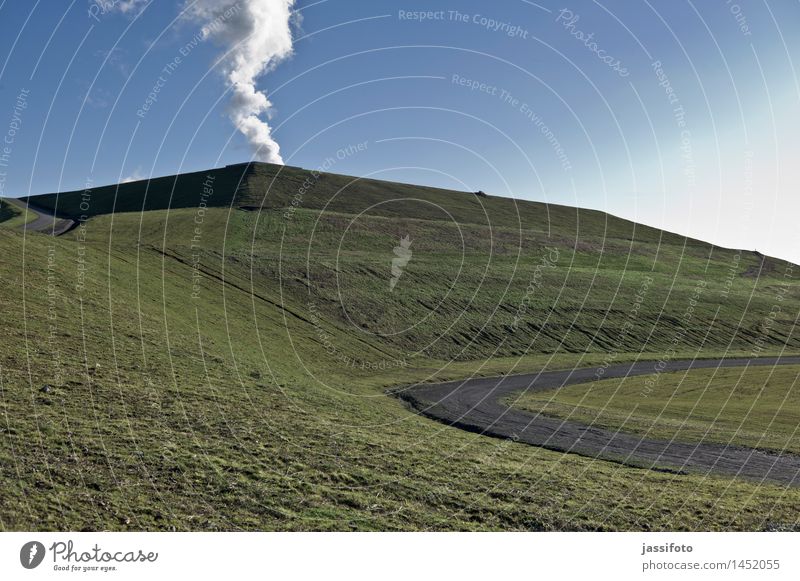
(45, 221)
(475, 405)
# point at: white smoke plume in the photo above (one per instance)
(256, 35)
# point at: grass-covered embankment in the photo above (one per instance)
(224, 368)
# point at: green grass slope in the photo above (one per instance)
(489, 275)
(13, 217)
(171, 192)
(7, 211)
(204, 366)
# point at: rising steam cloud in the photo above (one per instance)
(256, 36)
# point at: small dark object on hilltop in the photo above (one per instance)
(46, 389)
(480, 193)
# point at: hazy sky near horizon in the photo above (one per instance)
(678, 114)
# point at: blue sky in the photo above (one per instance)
(677, 114)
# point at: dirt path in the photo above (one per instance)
(45, 222)
(475, 405)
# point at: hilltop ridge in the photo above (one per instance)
(255, 186)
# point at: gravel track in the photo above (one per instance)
(45, 222)
(475, 405)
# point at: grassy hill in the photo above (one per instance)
(7, 211)
(211, 351)
(489, 275)
(13, 217)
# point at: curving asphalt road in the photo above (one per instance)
(475, 405)
(45, 221)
